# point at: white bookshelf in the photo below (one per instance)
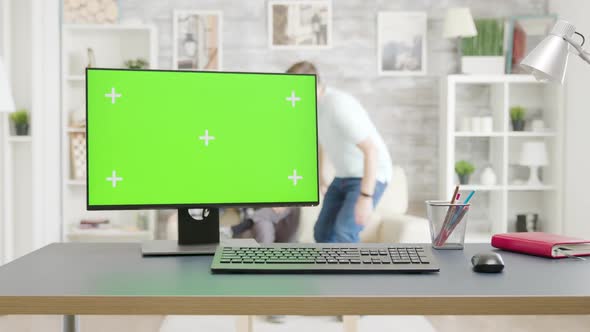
(20, 139)
(495, 207)
(112, 44)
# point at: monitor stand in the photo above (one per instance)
(198, 234)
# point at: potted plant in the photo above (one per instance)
(20, 119)
(484, 53)
(138, 63)
(464, 169)
(517, 117)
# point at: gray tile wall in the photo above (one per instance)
(405, 110)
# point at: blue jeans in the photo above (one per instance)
(336, 222)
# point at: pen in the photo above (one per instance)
(455, 220)
(469, 197)
(452, 228)
(455, 193)
(450, 212)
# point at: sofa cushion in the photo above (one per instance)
(395, 197)
(393, 202)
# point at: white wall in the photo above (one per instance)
(45, 101)
(30, 182)
(21, 49)
(4, 41)
(577, 122)
(404, 109)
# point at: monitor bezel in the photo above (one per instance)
(95, 207)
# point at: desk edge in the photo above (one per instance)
(190, 305)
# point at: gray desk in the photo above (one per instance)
(114, 279)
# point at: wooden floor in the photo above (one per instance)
(327, 324)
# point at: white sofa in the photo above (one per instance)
(389, 223)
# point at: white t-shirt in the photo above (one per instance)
(342, 124)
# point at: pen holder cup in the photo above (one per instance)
(447, 224)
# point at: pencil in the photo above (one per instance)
(452, 227)
(455, 220)
(455, 194)
(450, 212)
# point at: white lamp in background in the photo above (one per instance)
(458, 24)
(548, 60)
(6, 101)
(534, 155)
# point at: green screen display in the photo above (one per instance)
(171, 138)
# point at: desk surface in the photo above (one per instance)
(78, 278)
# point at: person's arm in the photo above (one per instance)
(364, 204)
(322, 163)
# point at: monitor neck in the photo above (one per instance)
(198, 234)
(199, 227)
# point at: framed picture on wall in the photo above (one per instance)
(299, 24)
(197, 40)
(401, 43)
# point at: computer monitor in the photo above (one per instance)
(159, 139)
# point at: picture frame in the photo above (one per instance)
(299, 24)
(401, 43)
(189, 27)
(523, 33)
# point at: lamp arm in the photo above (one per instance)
(585, 55)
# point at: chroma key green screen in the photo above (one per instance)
(175, 138)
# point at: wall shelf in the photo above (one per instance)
(71, 182)
(75, 78)
(467, 96)
(113, 44)
(477, 187)
(75, 130)
(531, 134)
(507, 134)
(478, 134)
(20, 139)
(109, 235)
(531, 188)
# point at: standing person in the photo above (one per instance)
(361, 161)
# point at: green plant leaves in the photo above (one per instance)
(489, 40)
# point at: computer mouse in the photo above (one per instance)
(489, 262)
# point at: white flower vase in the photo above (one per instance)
(488, 177)
(483, 65)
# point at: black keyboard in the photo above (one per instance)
(324, 258)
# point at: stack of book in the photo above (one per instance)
(94, 223)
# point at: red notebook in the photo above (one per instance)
(542, 244)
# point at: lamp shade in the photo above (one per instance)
(6, 101)
(459, 23)
(548, 60)
(533, 154)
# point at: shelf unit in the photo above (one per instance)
(495, 207)
(111, 44)
(17, 202)
(20, 139)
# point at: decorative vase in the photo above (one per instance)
(488, 177)
(91, 58)
(476, 124)
(518, 125)
(527, 222)
(491, 65)
(463, 178)
(487, 124)
(538, 125)
(22, 129)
